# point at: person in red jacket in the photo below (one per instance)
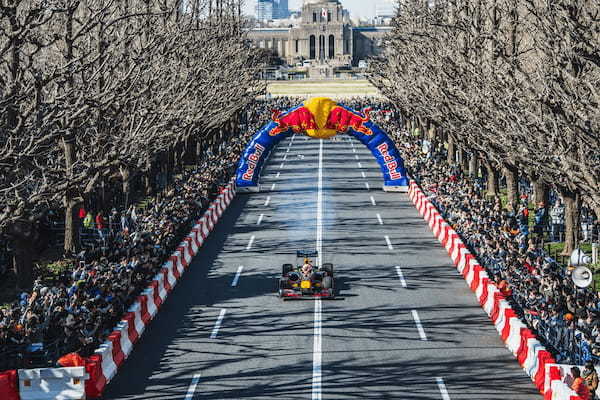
(579, 386)
(100, 224)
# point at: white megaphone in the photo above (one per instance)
(579, 258)
(582, 277)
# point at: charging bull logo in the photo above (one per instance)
(253, 160)
(342, 119)
(299, 120)
(390, 161)
(320, 118)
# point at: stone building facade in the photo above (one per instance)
(324, 36)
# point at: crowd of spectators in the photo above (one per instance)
(77, 311)
(565, 317)
(82, 306)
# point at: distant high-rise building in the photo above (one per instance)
(280, 9)
(264, 10)
(385, 9)
(272, 9)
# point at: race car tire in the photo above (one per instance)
(327, 282)
(286, 268)
(328, 267)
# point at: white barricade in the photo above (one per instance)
(52, 383)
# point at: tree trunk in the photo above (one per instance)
(23, 263)
(493, 185)
(71, 226)
(511, 173)
(24, 238)
(451, 159)
(198, 150)
(432, 137)
(70, 201)
(572, 212)
(541, 193)
(473, 165)
(464, 160)
(126, 179)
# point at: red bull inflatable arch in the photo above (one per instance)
(322, 118)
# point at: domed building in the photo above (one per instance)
(324, 35)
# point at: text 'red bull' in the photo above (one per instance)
(341, 120)
(253, 160)
(298, 120)
(390, 161)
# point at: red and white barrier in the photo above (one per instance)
(103, 365)
(9, 385)
(530, 353)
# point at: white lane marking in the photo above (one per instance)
(354, 150)
(192, 388)
(356, 156)
(320, 203)
(379, 219)
(250, 243)
(359, 165)
(285, 157)
(278, 175)
(281, 166)
(418, 324)
(443, 389)
(367, 186)
(400, 276)
(387, 240)
(215, 331)
(260, 218)
(363, 174)
(236, 278)
(373, 201)
(267, 201)
(288, 150)
(316, 378)
(273, 186)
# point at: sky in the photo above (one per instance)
(358, 8)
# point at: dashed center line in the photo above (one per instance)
(215, 330)
(367, 186)
(273, 186)
(278, 175)
(359, 165)
(363, 174)
(379, 219)
(354, 150)
(192, 388)
(422, 334)
(267, 201)
(260, 218)
(442, 387)
(281, 166)
(285, 157)
(356, 156)
(236, 278)
(250, 243)
(400, 276)
(372, 201)
(387, 240)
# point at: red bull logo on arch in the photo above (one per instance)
(322, 118)
(253, 160)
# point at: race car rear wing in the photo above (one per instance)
(307, 253)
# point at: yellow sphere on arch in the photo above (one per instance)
(320, 107)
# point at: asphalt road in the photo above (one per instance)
(405, 325)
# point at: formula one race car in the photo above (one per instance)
(306, 280)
